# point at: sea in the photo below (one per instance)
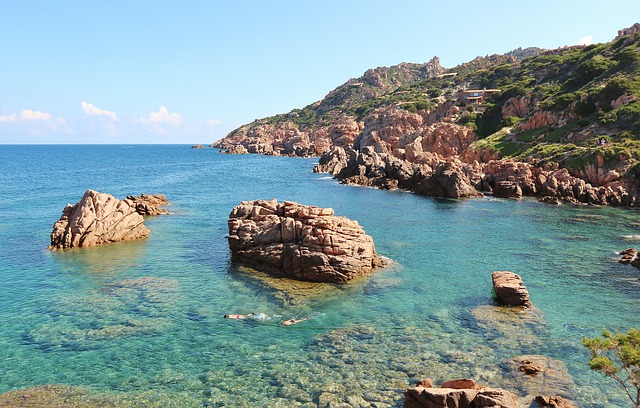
(141, 323)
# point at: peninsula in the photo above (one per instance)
(561, 125)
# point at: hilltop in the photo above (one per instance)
(573, 108)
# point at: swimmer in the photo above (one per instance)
(256, 316)
(294, 321)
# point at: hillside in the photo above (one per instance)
(574, 108)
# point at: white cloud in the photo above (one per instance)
(214, 122)
(28, 114)
(586, 40)
(163, 116)
(93, 110)
(10, 118)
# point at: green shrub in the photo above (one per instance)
(434, 92)
(563, 101)
(510, 121)
(592, 68)
(617, 87)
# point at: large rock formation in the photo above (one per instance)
(98, 219)
(300, 241)
(509, 289)
(459, 394)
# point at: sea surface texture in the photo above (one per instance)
(141, 323)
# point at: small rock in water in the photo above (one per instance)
(509, 289)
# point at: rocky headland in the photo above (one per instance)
(299, 241)
(100, 218)
(559, 125)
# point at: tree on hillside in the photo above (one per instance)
(618, 356)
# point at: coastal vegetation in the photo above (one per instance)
(570, 107)
(618, 356)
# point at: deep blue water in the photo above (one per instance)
(144, 319)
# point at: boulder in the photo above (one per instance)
(147, 204)
(630, 256)
(97, 219)
(509, 289)
(460, 384)
(300, 241)
(544, 401)
(421, 397)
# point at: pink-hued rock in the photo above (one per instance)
(420, 397)
(509, 289)
(300, 241)
(544, 401)
(460, 384)
(98, 219)
(147, 204)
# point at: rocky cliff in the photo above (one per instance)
(560, 124)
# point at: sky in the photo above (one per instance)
(187, 72)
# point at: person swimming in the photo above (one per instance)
(255, 316)
(293, 320)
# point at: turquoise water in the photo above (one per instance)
(142, 321)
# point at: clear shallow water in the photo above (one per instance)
(144, 319)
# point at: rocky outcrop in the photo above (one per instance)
(629, 31)
(147, 204)
(544, 401)
(459, 394)
(510, 179)
(234, 149)
(540, 119)
(441, 179)
(509, 289)
(198, 146)
(518, 107)
(98, 219)
(300, 241)
(630, 256)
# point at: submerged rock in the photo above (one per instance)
(533, 375)
(53, 396)
(509, 289)
(97, 219)
(509, 327)
(303, 242)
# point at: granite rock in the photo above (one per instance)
(299, 241)
(97, 219)
(509, 289)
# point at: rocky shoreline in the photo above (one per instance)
(428, 154)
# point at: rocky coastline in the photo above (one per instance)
(427, 154)
(425, 129)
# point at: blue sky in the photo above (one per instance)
(191, 71)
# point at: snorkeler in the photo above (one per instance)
(294, 321)
(256, 316)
